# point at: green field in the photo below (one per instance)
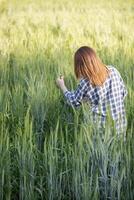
(46, 150)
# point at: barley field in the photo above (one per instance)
(47, 152)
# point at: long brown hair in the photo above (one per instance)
(88, 65)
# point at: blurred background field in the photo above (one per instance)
(46, 151)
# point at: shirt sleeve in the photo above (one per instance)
(124, 91)
(122, 86)
(74, 98)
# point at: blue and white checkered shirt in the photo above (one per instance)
(112, 93)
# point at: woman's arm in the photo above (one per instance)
(73, 97)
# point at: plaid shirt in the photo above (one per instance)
(112, 93)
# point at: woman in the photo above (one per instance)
(100, 85)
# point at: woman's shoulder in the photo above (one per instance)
(115, 74)
(84, 82)
(113, 69)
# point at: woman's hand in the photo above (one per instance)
(60, 83)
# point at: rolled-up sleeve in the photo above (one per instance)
(125, 92)
(122, 85)
(74, 98)
(123, 88)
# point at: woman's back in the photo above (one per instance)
(111, 93)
